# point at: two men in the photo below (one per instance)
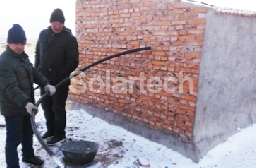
(56, 57)
(17, 76)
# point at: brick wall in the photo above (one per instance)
(158, 87)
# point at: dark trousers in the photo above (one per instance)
(18, 130)
(55, 111)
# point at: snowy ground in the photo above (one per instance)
(120, 148)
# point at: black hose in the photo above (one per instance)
(32, 118)
(37, 134)
(100, 61)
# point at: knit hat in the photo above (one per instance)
(16, 35)
(57, 15)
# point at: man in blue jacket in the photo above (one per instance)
(17, 76)
(56, 57)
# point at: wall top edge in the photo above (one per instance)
(223, 10)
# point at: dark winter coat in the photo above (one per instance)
(17, 76)
(56, 54)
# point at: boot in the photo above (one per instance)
(47, 135)
(35, 160)
(56, 138)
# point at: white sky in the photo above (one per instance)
(33, 15)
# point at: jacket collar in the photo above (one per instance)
(65, 29)
(20, 57)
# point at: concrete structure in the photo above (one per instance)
(191, 92)
(226, 91)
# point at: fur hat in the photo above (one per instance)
(16, 35)
(57, 15)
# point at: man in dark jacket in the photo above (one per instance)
(17, 76)
(56, 57)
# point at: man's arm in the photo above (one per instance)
(72, 58)
(37, 57)
(9, 84)
(39, 78)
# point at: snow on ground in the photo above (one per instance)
(121, 149)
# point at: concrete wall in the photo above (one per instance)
(226, 97)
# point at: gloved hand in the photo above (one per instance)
(30, 106)
(50, 88)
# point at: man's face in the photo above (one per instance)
(56, 27)
(18, 48)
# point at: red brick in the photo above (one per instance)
(182, 33)
(192, 54)
(179, 27)
(182, 6)
(179, 43)
(194, 43)
(179, 22)
(186, 38)
(192, 98)
(124, 34)
(145, 8)
(183, 127)
(122, 101)
(176, 12)
(135, 1)
(189, 124)
(135, 14)
(187, 108)
(188, 16)
(163, 23)
(201, 15)
(200, 27)
(190, 87)
(180, 111)
(159, 33)
(159, 63)
(196, 21)
(159, 48)
(172, 33)
(195, 32)
(152, 43)
(125, 15)
(158, 53)
(185, 118)
(184, 102)
(199, 38)
(199, 10)
(167, 127)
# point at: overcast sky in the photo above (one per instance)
(33, 15)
